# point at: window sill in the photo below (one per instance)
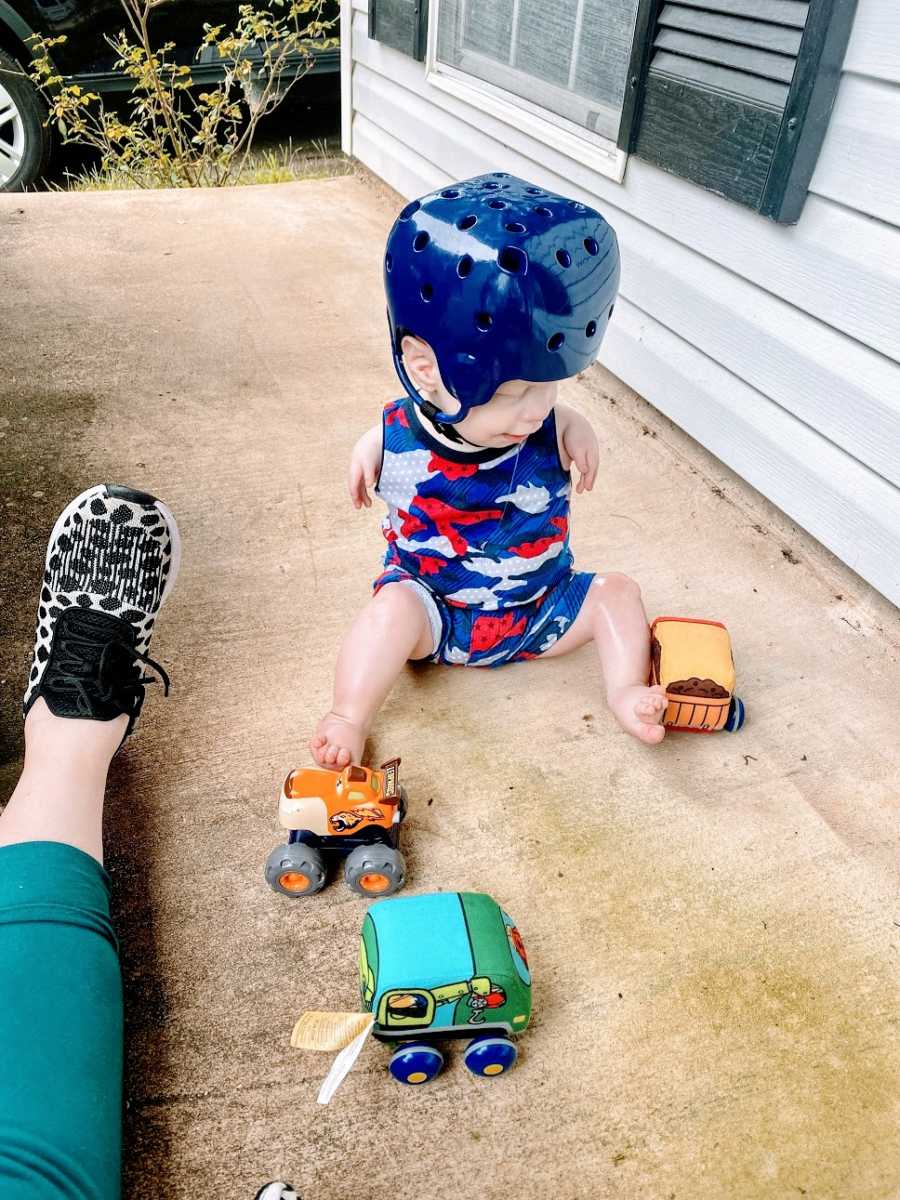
(595, 153)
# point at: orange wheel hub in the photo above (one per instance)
(374, 882)
(294, 881)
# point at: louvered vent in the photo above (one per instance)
(744, 48)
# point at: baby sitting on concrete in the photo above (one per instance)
(496, 290)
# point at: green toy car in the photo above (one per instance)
(440, 966)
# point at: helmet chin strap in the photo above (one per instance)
(431, 411)
(450, 432)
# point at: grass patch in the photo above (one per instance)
(313, 159)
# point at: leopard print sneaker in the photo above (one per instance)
(112, 559)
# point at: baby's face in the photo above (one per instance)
(515, 411)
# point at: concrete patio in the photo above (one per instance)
(713, 924)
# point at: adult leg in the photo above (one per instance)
(111, 560)
(613, 617)
(393, 628)
(60, 985)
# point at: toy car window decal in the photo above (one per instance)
(406, 1009)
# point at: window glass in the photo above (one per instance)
(570, 57)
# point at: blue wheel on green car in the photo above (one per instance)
(490, 1055)
(415, 1063)
(736, 715)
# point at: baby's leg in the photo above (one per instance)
(613, 616)
(392, 628)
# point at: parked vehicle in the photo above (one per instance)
(86, 58)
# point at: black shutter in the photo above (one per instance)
(402, 24)
(736, 94)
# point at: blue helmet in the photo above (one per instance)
(504, 280)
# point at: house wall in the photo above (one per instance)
(775, 347)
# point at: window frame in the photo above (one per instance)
(592, 150)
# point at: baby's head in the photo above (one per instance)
(496, 289)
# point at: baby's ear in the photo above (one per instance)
(420, 362)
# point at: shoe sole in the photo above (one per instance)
(104, 492)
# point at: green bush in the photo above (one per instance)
(175, 134)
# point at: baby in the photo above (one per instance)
(496, 290)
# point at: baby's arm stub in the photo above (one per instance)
(365, 466)
(577, 444)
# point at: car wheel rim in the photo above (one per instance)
(12, 137)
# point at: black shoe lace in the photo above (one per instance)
(110, 681)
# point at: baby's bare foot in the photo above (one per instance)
(640, 710)
(337, 742)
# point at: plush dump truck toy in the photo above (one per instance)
(448, 965)
(355, 813)
(692, 660)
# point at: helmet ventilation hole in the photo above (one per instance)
(450, 194)
(464, 266)
(497, 204)
(491, 187)
(467, 222)
(554, 342)
(576, 205)
(426, 292)
(409, 211)
(421, 240)
(591, 245)
(484, 321)
(590, 329)
(389, 262)
(610, 313)
(535, 192)
(513, 260)
(563, 257)
(543, 211)
(515, 227)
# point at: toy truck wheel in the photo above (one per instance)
(415, 1063)
(295, 870)
(490, 1055)
(736, 714)
(375, 870)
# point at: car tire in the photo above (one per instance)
(24, 138)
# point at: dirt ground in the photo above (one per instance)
(713, 924)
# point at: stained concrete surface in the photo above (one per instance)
(713, 924)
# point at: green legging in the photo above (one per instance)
(61, 1017)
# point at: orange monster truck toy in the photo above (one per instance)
(692, 660)
(355, 813)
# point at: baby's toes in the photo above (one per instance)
(650, 706)
(652, 733)
(330, 753)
